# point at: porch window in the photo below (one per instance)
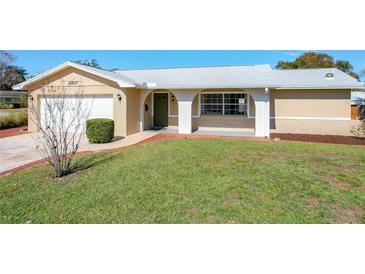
(224, 104)
(212, 104)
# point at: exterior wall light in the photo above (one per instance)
(119, 97)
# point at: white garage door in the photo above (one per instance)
(88, 107)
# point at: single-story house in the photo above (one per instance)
(247, 98)
(11, 96)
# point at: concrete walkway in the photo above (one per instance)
(22, 149)
(214, 132)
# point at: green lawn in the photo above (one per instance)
(196, 181)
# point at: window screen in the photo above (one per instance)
(223, 104)
(212, 104)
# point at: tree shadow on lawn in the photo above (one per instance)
(87, 161)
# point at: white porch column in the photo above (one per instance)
(185, 103)
(262, 112)
(142, 97)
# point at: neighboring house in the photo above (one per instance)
(10, 96)
(357, 99)
(252, 98)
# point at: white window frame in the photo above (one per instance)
(226, 92)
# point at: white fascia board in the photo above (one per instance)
(345, 87)
(69, 64)
(205, 87)
(40, 76)
(121, 83)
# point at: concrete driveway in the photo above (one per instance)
(22, 149)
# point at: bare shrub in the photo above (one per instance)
(61, 125)
(359, 130)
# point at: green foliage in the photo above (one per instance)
(100, 130)
(16, 119)
(6, 105)
(93, 63)
(12, 75)
(317, 60)
(24, 101)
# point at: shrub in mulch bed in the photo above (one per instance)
(100, 130)
(329, 139)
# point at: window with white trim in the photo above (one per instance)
(224, 103)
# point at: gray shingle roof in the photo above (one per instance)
(240, 76)
(315, 78)
(108, 73)
(249, 76)
(11, 93)
(204, 77)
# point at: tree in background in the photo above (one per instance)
(10, 75)
(92, 63)
(6, 58)
(318, 60)
(24, 101)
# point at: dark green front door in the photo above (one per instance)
(160, 109)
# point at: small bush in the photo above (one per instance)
(100, 130)
(24, 101)
(14, 120)
(359, 130)
(6, 106)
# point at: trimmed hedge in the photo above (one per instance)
(14, 120)
(100, 130)
(6, 105)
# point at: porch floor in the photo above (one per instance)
(216, 132)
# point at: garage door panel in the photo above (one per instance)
(102, 107)
(93, 106)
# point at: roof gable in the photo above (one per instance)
(119, 79)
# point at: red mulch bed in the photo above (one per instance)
(328, 139)
(13, 131)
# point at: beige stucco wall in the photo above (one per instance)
(89, 84)
(325, 127)
(310, 103)
(148, 123)
(174, 108)
(321, 107)
(225, 122)
(132, 111)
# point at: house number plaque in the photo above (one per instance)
(73, 83)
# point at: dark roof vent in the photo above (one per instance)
(329, 75)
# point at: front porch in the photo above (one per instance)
(212, 132)
(221, 112)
